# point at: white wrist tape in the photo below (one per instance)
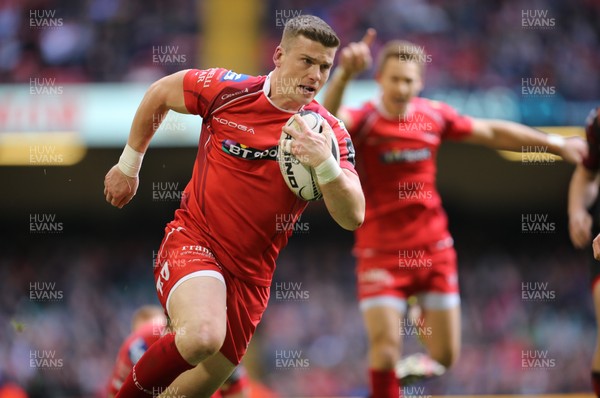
(557, 140)
(328, 170)
(130, 161)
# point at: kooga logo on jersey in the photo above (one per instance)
(245, 152)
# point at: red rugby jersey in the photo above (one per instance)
(396, 160)
(237, 196)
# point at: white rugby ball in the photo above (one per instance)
(302, 180)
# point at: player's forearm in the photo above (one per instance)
(583, 190)
(345, 200)
(334, 93)
(511, 136)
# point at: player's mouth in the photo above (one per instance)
(307, 90)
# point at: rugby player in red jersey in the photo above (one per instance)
(404, 247)
(216, 261)
(148, 324)
(583, 193)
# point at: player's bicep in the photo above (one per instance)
(482, 133)
(170, 92)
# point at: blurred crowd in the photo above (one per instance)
(311, 341)
(473, 44)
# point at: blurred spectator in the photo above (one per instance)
(473, 44)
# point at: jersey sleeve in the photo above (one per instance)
(456, 126)
(592, 133)
(200, 87)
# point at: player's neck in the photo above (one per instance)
(280, 100)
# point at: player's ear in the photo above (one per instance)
(278, 55)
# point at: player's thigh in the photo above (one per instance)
(382, 323)
(197, 309)
(443, 333)
(201, 381)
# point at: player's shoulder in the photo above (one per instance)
(224, 77)
(425, 104)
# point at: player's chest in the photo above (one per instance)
(247, 135)
(406, 141)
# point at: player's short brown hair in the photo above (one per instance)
(311, 27)
(403, 50)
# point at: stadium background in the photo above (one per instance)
(73, 269)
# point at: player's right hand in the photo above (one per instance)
(356, 57)
(580, 229)
(119, 189)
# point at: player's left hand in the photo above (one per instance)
(596, 247)
(310, 148)
(574, 150)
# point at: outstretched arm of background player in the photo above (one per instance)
(341, 188)
(503, 134)
(354, 58)
(583, 191)
(121, 181)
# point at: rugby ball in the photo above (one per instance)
(301, 179)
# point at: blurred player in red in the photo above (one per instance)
(148, 324)
(217, 258)
(583, 193)
(404, 247)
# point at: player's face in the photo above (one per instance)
(399, 82)
(303, 67)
